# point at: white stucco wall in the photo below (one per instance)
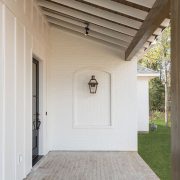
(71, 122)
(143, 103)
(23, 32)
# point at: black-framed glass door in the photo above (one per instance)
(35, 111)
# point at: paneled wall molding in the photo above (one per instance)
(25, 12)
(23, 32)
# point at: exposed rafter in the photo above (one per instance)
(100, 13)
(151, 38)
(93, 27)
(147, 44)
(146, 3)
(165, 23)
(155, 17)
(88, 18)
(158, 32)
(120, 8)
(130, 25)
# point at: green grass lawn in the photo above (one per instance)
(154, 148)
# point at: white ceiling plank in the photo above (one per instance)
(100, 13)
(111, 33)
(120, 8)
(109, 39)
(63, 18)
(91, 33)
(88, 18)
(92, 27)
(120, 50)
(146, 3)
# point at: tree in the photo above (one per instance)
(164, 43)
(157, 95)
(158, 58)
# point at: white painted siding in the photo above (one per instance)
(143, 103)
(10, 91)
(70, 54)
(23, 32)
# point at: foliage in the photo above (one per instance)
(157, 95)
(156, 116)
(154, 148)
(158, 59)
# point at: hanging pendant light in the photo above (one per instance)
(87, 29)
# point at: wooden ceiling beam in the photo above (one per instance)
(96, 35)
(146, 3)
(158, 13)
(93, 27)
(120, 8)
(100, 13)
(131, 4)
(87, 18)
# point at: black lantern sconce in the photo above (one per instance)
(93, 84)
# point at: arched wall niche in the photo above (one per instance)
(92, 110)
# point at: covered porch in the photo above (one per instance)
(49, 50)
(92, 166)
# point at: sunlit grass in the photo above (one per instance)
(154, 148)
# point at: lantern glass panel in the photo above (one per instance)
(93, 85)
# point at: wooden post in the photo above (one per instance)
(175, 12)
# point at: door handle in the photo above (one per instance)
(38, 124)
